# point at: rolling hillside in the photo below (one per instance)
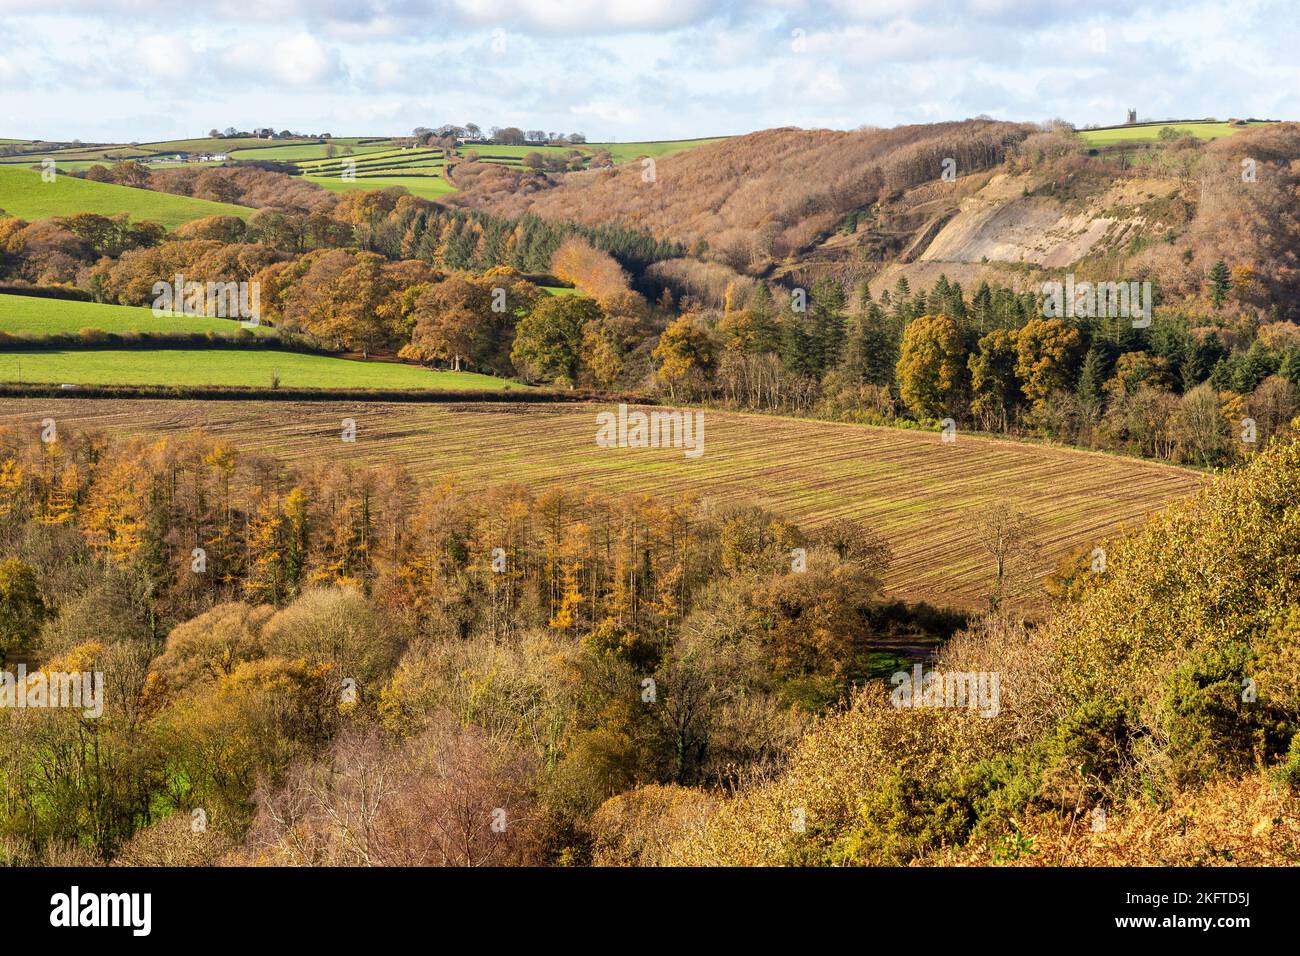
(759, 197)
(372, 162)
(36, 316)
(1020, 204)
(23, 193)
(1164, 210)
(422, 170)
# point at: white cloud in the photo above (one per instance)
(126, 69)
(9, 72)
(301, 60)
(166, 57)
(584, 17)
(605, 111)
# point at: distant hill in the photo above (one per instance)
(1022, 203)
(756, 198)
(369, 162)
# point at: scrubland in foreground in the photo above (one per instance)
(568, 677)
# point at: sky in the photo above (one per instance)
(626, 70)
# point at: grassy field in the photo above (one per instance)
(920, 493)
(1151, 132)
(374, 155)
(412, 162)
(303, 152)
(228, 367)
(218, 144)
(70, 165)
(29, 315)
(490, 150)
(419, 169)
(72, 156)
(426, 187)
(23, 193)
(379, 164)
(623, 152)
(102, 155)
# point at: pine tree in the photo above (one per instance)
(1290, 367)
(796, 349)
(982, 308)
(878, 347)
(956, 304)
(1220, 280)
(828, 323)
(865, 301)
(1092, 377)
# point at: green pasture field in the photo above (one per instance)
(624, 152)
(30, 315)
(207, 144)
(426, 187)
(234, 367)
(379, 167)
(1151, 132)
(68, 158)
(377, 157)
(517, 152)
(384, 141)
(303, 152)
(23, 193)
(64, 165)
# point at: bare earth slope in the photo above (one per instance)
(1001, 223)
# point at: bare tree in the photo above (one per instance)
(452, 796)
(1008, 537)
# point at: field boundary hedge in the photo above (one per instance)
(64, 293)
(93, 339)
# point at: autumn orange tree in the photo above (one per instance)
(686, 354)
(1047, 351)
(470, 320)
(932, 366)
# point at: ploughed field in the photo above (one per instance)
(920, 493)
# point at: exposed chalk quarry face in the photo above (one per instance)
(1001, 223)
